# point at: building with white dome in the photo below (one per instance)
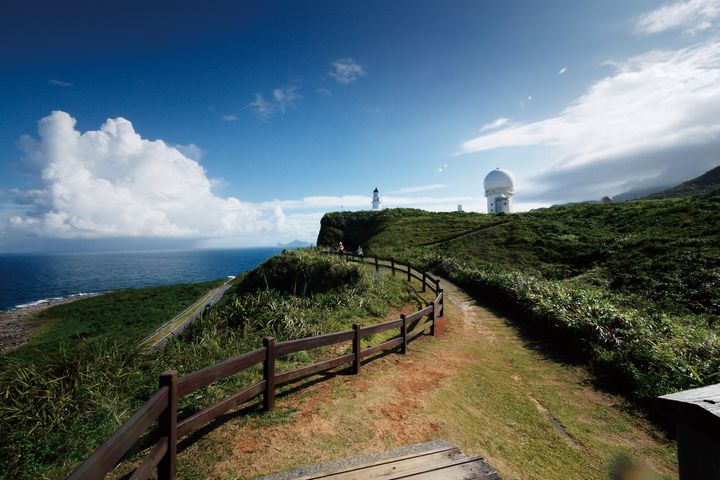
(499, 188)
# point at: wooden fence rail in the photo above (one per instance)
(162, 406)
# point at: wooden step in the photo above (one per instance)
(475, 468)
(392, 466)
(429, 461)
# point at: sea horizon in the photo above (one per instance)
(33, 278)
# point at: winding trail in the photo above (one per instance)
(478, 385)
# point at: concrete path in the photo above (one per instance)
(184, 318)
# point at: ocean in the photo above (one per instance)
(34, 278)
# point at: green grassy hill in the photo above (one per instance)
(65, 393)
(634, 286)
(131, 314)
(705, 183)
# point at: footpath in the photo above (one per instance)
(479, 385)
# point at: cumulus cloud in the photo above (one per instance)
(692, 16)
(346, 70)
(112, 182)
(655, 119)
(191, 151)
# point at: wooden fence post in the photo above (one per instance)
(437, 286)
(357, 350)
(269, 374)
(377, 265)
(167, 423)
(409, 279)
(432, 319)
(392, 265)
(424, 280)
(442, 304)
(403, 332)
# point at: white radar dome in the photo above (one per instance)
(499, 179)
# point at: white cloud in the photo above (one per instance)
(286, 97)
(494, 125)
(335, 202)
(113, 183)
(231, 117)
(282, 99)
(191, 151)
(421, 188)
(562, 70)
(692, 16)
(346, 70)
(656, 118)
(59, 83)
(263, 109)
(324, 91)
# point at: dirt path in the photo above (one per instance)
(476, 385)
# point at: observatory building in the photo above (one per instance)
(376, 199)
(499, 189)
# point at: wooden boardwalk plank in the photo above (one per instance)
(467, 469)
(388, 468)
(428, 461)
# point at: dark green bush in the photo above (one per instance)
(301, 272)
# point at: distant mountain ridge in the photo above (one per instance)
(640, 193)
(705, 183)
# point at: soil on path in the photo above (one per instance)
(477, 385)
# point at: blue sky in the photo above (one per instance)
(271, 113)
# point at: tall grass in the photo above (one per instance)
(634, 286)
(639, 348)
(55, 409)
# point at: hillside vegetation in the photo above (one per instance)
(634, 287)
(705, 183)
(56, 407)
(131, 313)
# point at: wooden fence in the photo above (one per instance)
(162, 406)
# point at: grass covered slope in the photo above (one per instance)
(635, 286)
(705, 183)
(56, 408)
(131, 313)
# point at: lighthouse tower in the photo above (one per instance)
(499, 189)
(376, 199)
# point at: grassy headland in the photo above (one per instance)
(633, 287)
(55, 408)
(131, 313)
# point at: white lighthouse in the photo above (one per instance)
(499, 189)
(376, 199)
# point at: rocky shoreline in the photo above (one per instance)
(16, 325)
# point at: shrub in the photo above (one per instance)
(302, 273)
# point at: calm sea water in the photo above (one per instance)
(29, 278)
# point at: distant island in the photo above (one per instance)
(295, 244)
